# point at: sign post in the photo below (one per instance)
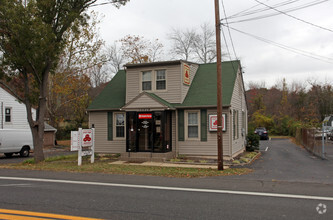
(83, 141)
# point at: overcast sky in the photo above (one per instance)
(262, 62)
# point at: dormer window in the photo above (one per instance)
(146, 80)
(160, 80)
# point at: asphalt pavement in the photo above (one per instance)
(284, 169)
(282, 160)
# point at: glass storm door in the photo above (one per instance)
(145, 131)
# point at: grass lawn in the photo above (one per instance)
(102, 165)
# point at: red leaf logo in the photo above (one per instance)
(87, 138)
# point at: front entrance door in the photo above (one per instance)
(145, 131)
(149, 131)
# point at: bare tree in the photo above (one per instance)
(115, 57)
(183, 41)
(204, 44)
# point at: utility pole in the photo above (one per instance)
(219, 87)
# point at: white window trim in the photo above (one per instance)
(186, 125)
(154, 80)
(11, 116)
(155, 77)
(115, 126)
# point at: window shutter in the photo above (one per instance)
(180, 125)
(203, 117)
(110, 126)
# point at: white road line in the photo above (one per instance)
(266, 149)
(290, 196)
(17, 185)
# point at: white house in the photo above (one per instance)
(13, 115)
(12, 111)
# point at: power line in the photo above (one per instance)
(306, 5)
(309, 23)
(291, 49)
(248, 11)
(232, 42)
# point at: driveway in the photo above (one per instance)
(283, 160)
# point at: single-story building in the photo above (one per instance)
(155, 111)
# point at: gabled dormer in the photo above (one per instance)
(169, 80)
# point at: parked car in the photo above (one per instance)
(16, 141)
(330, 135)
(262, 132)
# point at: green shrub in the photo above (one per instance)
(252, 141)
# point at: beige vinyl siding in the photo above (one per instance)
(173, 88)
(238, 104)
(185, 88)
(102, 145)
(144, 101)
(209, 147)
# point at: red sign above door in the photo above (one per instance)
(145, 116)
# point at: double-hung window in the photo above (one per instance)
(8, 115)
(120, 125)
(160, 80)
(146, 80)
(192, 125)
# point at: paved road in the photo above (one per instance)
(283, 169)
(110, 201)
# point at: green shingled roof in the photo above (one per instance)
(201, 93)
(203, 90)
(113, 95)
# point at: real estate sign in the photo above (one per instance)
(186, 74)
(213, 122)
(87, 137)
(75, 141)
(83, 142)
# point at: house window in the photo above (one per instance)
(235, 125)
(146, 80)
(120, 125)
(160, 80)
(8, 115)
(193, 125)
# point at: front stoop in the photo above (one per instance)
(138, 157)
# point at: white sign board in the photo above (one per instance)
(75, 140)
(87, 138)
(213, 123)
(86, 153)
(83, 138)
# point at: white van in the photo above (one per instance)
(16, 141)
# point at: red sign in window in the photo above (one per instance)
(145, 116)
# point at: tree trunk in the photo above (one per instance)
(37, 127)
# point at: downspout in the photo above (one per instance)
(1, 115)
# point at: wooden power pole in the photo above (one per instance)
(219, 87)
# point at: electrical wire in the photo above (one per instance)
(248, 11)
(290, 49)
(301, 20)
(225, 40)
(239, 16)
(232, 42)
